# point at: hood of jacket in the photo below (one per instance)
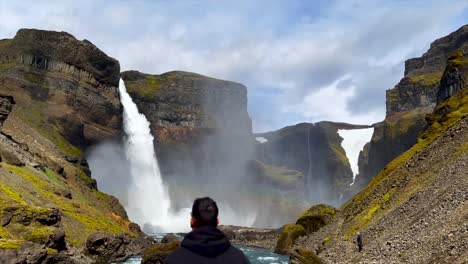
(206, 241)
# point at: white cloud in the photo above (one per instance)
(297, 49)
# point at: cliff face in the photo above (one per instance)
(58, 95)
(204, 142)
(199, 122)
(417, 204)
(409, 102)
(68, 88)
(315, 150)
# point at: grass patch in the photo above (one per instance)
(6, 66)
(427, 79)
(147, 87)
(35, 78)
(34, 116)
(340, 153)
(10, 244)
(12, 194)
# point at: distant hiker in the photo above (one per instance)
(206, 244)
(359, 241)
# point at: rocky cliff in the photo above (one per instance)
(414, 210)
(315, 150)
(58, 95)
(408, 103)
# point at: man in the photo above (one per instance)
(359, 241)
(206, 244)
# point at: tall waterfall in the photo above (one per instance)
(148, 201)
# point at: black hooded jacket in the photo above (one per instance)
(207, 245)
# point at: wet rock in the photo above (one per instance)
(169, 238)
(115, 247)
(158, 253)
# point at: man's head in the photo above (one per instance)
(204, 213)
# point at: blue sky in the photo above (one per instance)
(302, 61)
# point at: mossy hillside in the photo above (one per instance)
(146, 87)
(458, 59)
(398, 124)
(376, 200)
(35, 116)
(316, 217)
(427, 79)
(82, 215)
(287, 237)
(279, 176)
(36, 78)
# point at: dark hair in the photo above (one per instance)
(205, 212)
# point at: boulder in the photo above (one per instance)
(10, 156)
(107, 247)
(316, 217)
(169, 238)
(287, 237)
(57, 240)
(12, 252)
(304, 256)
(158, 253)
(6, 105)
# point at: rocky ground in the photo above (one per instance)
(426, 223)
(252, 237)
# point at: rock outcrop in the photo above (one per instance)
(109, 248)
(58, 95)
(64, 87)
(315, 151)
(409, 102)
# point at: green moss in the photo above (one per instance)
(287, 237)
(316, 217)
(35, 117)
(304, 256)
(12, 194)
(3, 233)
(340, 153)
(40, 234)
(326, 240)
(279, 176)
(51, 251)
(10, 244)
(6, 66)
(147, 87)
(4, 43)
(430, 78)
(458, 59)
(35, 78)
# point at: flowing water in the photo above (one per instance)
(148, 201)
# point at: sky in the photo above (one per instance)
(302, 61)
